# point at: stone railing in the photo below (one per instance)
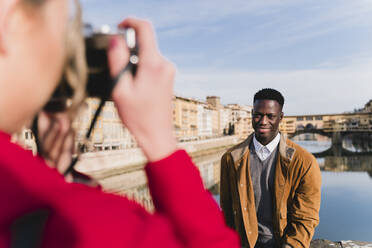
(109, 163)
(320, 243)
(121, 171)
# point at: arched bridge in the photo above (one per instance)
(309, 130)
(327, 124)
(331, 133)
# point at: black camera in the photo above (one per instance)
(100, 84)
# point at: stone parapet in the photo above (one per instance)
(321, 243)
(121, 171)
(110, 163)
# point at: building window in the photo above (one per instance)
(309, 118)
(319, 118)
(300, 118)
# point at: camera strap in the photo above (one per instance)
(131, 67)
(87, 137)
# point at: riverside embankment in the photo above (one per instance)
(121, 171)
(321, 243)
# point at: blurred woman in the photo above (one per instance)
(38, 208)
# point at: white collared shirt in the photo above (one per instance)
(263, 152)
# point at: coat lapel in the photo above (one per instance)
(240, 152)
(283, 162)
(245, 189)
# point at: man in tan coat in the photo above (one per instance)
(270, 187)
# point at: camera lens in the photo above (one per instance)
(99, 79)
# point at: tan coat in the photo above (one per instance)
(296, 198)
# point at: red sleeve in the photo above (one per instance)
(178, 193)
(85, 217)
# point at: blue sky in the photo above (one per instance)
(317, 53)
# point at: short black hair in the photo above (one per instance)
(269, 94)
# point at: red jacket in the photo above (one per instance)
(80, 216)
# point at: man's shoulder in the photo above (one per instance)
(238, 146)
(237, 151)
(301, 155)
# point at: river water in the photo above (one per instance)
(346, 206)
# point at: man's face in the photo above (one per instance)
(266, 117)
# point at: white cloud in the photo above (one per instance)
(178, 12)
(189, 29)
(277, 23)
(319, 19)
(171, 13)
(306, 91)
(333, 86)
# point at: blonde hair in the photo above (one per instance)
(75, 70)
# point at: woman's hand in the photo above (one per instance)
(144, 102)
(56, 138)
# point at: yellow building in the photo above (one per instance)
(364, 122)
(329, 123)
(194, 119)
(288, 125)
(108, 134)
(185, 118)
(26, 139)
(215, 101)
(368, 107)
(225, 120)
(216, 106)
(243, 127)
(308, 121)
(215, 121)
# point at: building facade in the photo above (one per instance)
(225, 120)
(194, 120)
(368, 106)
(108, 134)
(205, 125)
(185, 118)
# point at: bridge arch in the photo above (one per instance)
(309, 126)
(300, 127)
(309, 129)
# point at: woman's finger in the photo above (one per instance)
(53, 129)
(118, 55)
(66, 152)
(62, 133)
(148, 49)
(48, 132)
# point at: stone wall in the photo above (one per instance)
(321, 243)
(121, 171)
